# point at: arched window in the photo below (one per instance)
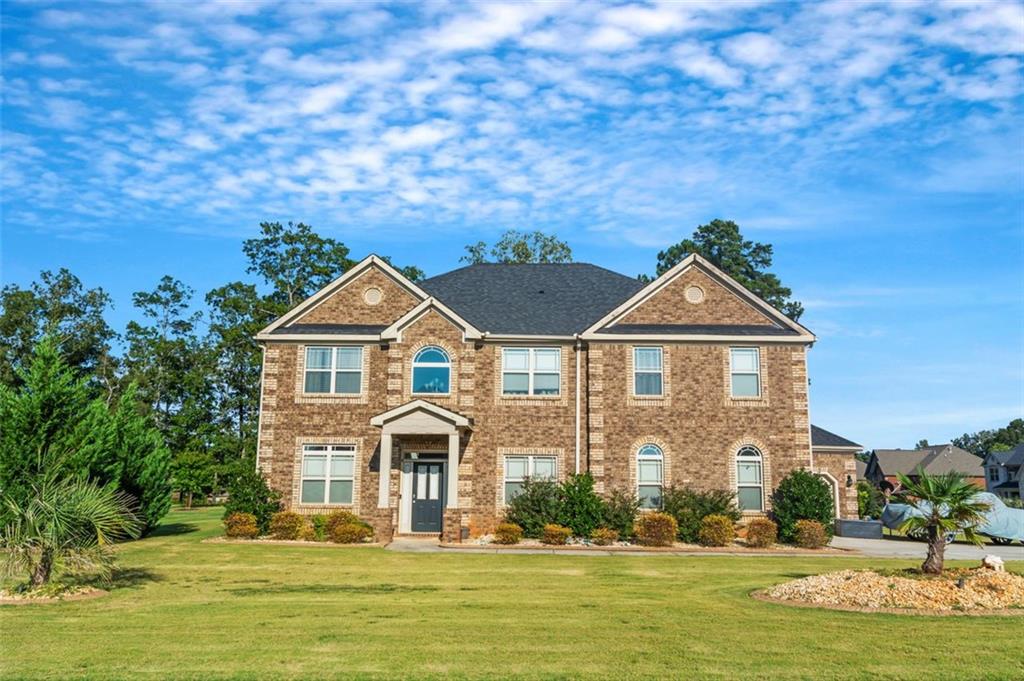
(749, 479)
(650, 475)
(431, 371)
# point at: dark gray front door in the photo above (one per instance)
(427, 496)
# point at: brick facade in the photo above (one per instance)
(696, 423)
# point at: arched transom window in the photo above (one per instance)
(650, 475)
(431, 371)
(750, 479)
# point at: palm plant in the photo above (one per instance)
(946, 505)
(66, 525)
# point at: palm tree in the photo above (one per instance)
(67, 525)
(946, 505)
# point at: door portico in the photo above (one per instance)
(420, 418)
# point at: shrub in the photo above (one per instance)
(802, 495)
(604, 536)
(319, 525)
(307, 533)
(656, 529)
(716, 530)
(351, 533)
(761, 533)
(689, 507)
(810, 534)
(556, 535)
(241, 525)
(539, 504)
(869, 500)
(508, 533)
(620, 511)
(337, 518)
(248, 493)
(286, 525)
(582, 509)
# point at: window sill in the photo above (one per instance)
(530, 397)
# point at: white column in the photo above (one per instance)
(384, 490)
(453, 470)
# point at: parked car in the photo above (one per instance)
(1002, 523)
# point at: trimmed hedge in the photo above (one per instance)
(508, 533)
(287, 525)
(556, 535)
(802, 495)
(810, 534)
(716, 530)
(241, 526)
(336, 518)
(655, 529)
(689, 507)
(351, 533)
(604, 536)
(761, 533)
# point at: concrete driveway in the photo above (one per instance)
(899, 547)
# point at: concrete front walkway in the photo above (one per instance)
(906, 548)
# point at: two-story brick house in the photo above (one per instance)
(460, 386)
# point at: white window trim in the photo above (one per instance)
(659, 372)
(447, 365)
(333, 370)
(530, 371)
(329, 452)
(661, 471)
(748, 485)
(757, 372)
(530, 467)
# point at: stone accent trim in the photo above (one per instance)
(766, 471)
(666, 461)
(565, 379)
(663, 400)
(357, 469)
(730, 401)
(302, 397)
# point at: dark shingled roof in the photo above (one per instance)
(1011, 458)
(823, 438)
(701, 329)
(546, 299)
(354, 329)
(935, 460)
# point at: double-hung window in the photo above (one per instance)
(745, 369)
(531, 371)
(749, 479)
(647, 371)
(334, 370)
(650, 475)
(328, 474)
(993, 474)
(519, 468)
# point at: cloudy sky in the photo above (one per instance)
(878, 147)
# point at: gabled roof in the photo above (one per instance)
(538, 299)
(1013, 458)
(453, 417)
(394, 332)
(829, 440)
(934, 460)
(780, 327)
(339, 283)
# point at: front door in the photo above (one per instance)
(427, 496)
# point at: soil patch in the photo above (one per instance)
(30, 598)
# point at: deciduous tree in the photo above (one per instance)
(520, 247)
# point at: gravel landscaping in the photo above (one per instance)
(71, 593)
(957, 590)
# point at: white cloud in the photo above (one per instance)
(610, 38)
(323, 98)
(698, 62)
(200, 141)
(417, 136)
(53, 61)
(756, 49)
(493, 23)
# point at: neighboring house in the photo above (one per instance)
(461, 386)
(886, 464)
(835, 459)
(1003, 473)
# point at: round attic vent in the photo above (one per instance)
(694, 294)
(372, 296)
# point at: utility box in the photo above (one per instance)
(859, 529)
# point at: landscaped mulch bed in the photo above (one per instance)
(283, 542)
(978, 591)
(734, 548)
(75, 593)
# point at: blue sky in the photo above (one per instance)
(878, 147)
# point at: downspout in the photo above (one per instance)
(579, 346)
(810, 442)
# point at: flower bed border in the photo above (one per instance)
(283, 542)
(679, 549)
(762, 595)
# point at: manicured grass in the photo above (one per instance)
(190, 610)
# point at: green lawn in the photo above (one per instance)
(190, 610)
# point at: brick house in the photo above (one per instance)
(460, 386)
